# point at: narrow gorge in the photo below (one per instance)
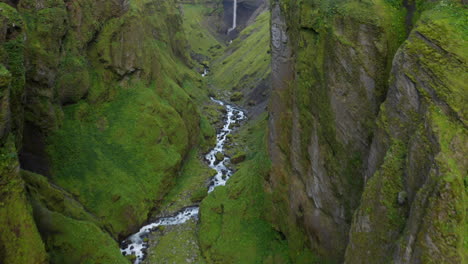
(233, 131)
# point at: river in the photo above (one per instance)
(137, 243)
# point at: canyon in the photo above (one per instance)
(233, 131)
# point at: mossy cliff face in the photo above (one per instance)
(413, 209)
(20, 241)
(12, 71)
(99, 97)
(329, 72)
(58, 35)
(331, 65)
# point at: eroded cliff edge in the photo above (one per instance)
(368, 129)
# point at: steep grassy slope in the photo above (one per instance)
(109, 117)
(203, 43)
(246, 61)
(71, 234)
(20, 241)
(119, 152)
(138, 142)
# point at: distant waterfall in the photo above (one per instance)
(234, 17)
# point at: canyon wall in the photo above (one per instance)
(355, 140)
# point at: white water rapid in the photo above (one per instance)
(136, 244)
(223, 173)
(234, 17)
(205, 72)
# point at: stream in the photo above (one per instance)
(137, 243)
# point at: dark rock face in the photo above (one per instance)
(332, 139)
(33, 156)
(247, 11)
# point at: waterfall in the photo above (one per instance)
(234, 17)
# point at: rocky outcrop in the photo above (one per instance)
(331, 65)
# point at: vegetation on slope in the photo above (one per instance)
(71, 234)
(119, 151)
(246, 61)
(20, 241)
(199, 33)
(175, 244)
(232, 224)
(138, 140)
(110, 87)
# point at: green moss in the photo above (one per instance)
(199, 195)
(190, 184)
(247, 58)
(5, 76)
(443, 29)
(70, 233)
(45, 28)
(379, 209)
(236, 96)
(177, 245)
(196, 28)
(213, 113)
(238, 157)
(138, 142)
(41, 191)
(12, 56)
(19, 240)
(74, 241)
(74, 79)
(207, 134)
(447, 218)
